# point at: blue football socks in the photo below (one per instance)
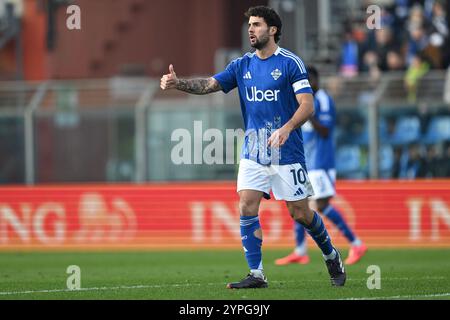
(319, 234)
(331, 213)
(300, 240)
(252, 245)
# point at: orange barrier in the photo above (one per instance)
(205, 215)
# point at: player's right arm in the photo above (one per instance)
(194, 86)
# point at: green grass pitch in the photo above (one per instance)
(158, 275)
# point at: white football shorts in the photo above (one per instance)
(287, 182)
(323, 182)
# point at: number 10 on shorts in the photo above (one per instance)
(299, 176)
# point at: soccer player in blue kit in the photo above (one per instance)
(276, 99)
(319, 150)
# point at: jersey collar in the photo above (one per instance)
(277, 51)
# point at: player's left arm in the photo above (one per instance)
(303, 113)
(323, 131)
(324, 119)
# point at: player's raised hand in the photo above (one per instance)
(169, 81)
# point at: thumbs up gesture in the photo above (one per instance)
(169, 81)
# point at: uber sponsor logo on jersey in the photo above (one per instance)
(256, 95)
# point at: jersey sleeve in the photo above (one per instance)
(227, 78)
(324, 111)
(298, 76)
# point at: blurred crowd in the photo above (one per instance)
(420, 161)
(414, 37)
(412, 145)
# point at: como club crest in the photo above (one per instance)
(276, 74)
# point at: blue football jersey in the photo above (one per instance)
(320, 151)
(267, 92)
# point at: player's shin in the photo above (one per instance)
(252, 244)
(320, 235)
(300, 239)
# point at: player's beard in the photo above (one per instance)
(262, 42)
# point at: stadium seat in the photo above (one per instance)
(362, 138)
(348, 160)
(407, 130)
(438, 130)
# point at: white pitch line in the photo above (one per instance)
(5, 293)
(175, 285)
(447, 294)
(365, 279)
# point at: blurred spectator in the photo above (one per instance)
(428, 8)
(390, 126)
(437, 162)
(370, 64)
(401, 10)
(387, 18)
(439, 35)
(446, 47)
(395, 61)
(417, 42)
(439, 25)
(384, 44)
(416, 18)
(397, 165)
(375, 53)
(425, 115)
(418, 68)
(432, 163)
(446, 161)
(349, 55)
(415, 164)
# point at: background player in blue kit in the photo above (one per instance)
(320, 162)
(276, 99)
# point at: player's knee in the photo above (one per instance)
(322, 204)
(248, 207)
(302, 219)
(300, 215)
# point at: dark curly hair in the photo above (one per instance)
(269, 15)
